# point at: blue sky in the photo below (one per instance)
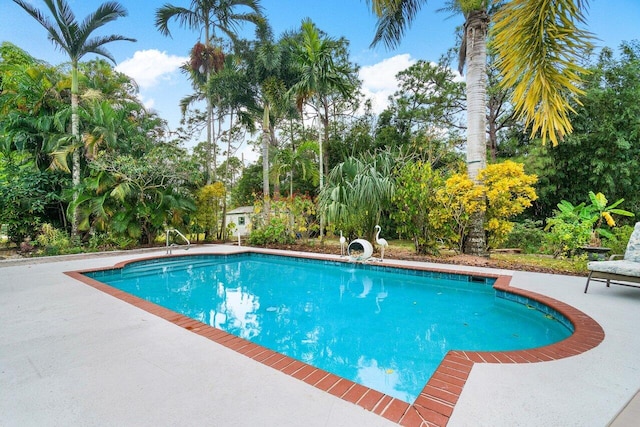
(153, 60)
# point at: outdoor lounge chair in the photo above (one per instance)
(625, 272)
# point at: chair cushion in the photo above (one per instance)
(622, 267)
(633, 247)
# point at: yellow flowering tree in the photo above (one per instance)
(460, 199)
(506, 191)
(509, 191)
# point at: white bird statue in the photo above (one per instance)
(343, 241)
(380, 242)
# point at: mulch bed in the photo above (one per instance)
(408, 255)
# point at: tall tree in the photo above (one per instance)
(542, 85)
(73, 37)
(602, 155)
(292, 158)
(269, 68)
(210, 16)
(32, 113)
(319, 77)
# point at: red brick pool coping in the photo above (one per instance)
(436, 402)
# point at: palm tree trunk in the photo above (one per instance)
(476, 60)
(325, 126)
(265, 174)
(323, 136)
(227, 180)
(75, 159)
(293, 150)
(209, 140)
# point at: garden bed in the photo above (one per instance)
(508, 261)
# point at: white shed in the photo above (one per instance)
(241, 217)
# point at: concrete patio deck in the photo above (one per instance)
(72, 355)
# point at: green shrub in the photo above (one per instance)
(564, 238)
(527, 236)
(52, 241)
(618, 243)
(108, 241)
(276, 231)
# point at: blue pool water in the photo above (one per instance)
(385, 328)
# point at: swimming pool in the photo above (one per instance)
(385, 328)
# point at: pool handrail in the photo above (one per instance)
(170, 246)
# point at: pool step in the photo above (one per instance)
(166, 266)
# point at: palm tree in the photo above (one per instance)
(358, 190)
(32, 108)
(203, 63)
(542, 66)
(291, 158)
(269, 68)
(73, 37)
(319, 77)
(540, 46)
(210, 15)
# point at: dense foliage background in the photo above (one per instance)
(403, 168)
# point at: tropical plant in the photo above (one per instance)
(301, 158)
(32, 105)
(504, 192)
(527, 235)
(28, 196)
(574, 226)
(602, 211)
(417, 211)
(618, 243)
(137, 197)
(602, 152)
(540, 46)
(303, 216)
(74, 38)
(276, 230)
(544, 29)
(269, 67)
(569, 229)
(319, 77)
(358, 192)
(291, 218)
(208, 17)
(461, 199)
(53, 241)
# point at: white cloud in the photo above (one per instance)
(379, 80)
(149, 67)
(148, 103)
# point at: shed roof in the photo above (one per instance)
(241, 210)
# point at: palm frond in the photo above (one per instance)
(185, 17)
(540, 45)
(394, 18)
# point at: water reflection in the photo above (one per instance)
(384, 330)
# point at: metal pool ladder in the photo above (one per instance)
(172, 245)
